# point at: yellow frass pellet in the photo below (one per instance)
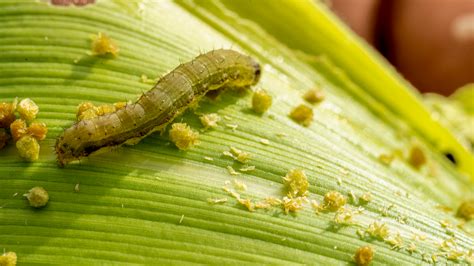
(18, 129)
(302, 114)
(84, 106)
(247, 203)
(334, 200)
(344, 215)
(37, 130)
(261, 101)
(417, 157)
(232, 171)
(8, 259)
(364, 256)
(103, 45)
(120, 105)
(291, 204)
(38, 197)
(239, 185)
(183, 136)
(239, 155)
(366, 197)
(28, 148)
(466, 210)
(386, 158)
(27, 109)
(210, 120)
(296, 183)
(378, 230)
(216, 200)
(7, 114)
(316, 206)
(106, 109)
(314, 96)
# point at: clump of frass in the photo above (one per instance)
(8, 259)
(314, 96)
(334, 200)
(103, 45)
(7, 113)
(210, 120)
(364, 256)
(296, 183)
(261, 101)
(183, 136)
(38, 197)
(37, 130)
(28, 148)
(27, 109)
(302, 114)
(466, 210)
(417, 157)
(18, 129)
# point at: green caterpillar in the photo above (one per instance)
(169, 97)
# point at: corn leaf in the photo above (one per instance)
(148, 203)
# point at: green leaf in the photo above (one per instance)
(148, 203)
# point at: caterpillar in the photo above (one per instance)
(171, 95)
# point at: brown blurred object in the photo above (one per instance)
(431, 42)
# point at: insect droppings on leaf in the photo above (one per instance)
(28, 148)
(232, 171)
(7, 114)
(86, 110)
(466, 210)
(247, 203)
(314, 95)
(240, 156)
(103, 45)
(417, 157)
(366, 197)
(18, 129)
(378, 230)
(183, 136)
(38, 197)
(395, 240)
(344, 215)
(364, 256)
(316, 206)
(239, 185)
(37, 130)
(291, 204)
(302, 114)
(386, 158)
(296, 183)
(247, 168)
(8, 259)
(27, 109)
(106, 109)
(261, 101)
(334, 200)
(216, 201)
(207, 158)
(210, 120)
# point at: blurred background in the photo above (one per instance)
(430, 42)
